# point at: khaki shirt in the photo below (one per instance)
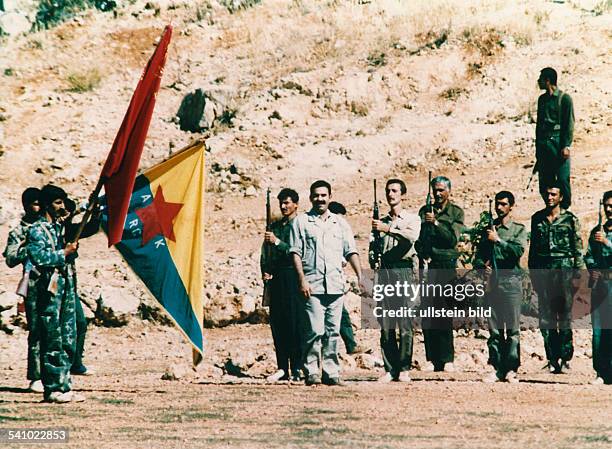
(555, 116)
(323, 245)
(508, 251)
(398, 243)
(443, 237)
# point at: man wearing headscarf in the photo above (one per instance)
(55, 296)
(15, 253)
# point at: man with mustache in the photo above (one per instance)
(506, 242)
(55, 297)
(277, 269)
(555, 255)
(320, 241)
(441, 225)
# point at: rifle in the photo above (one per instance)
(492, 257)
(533, 172)
(425, 244)
(267, 249)
(375, 255)
(597, 249)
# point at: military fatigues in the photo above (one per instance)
(505, 294)
(55, 305)
(285, 311)
(15, 254)
(554, 131)
(599, 257)
(555, 252)
(397, 266)
(438, 332)
(323, 243)
(89, 229)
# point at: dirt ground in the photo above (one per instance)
(129, 406)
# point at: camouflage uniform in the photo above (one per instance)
(285, 303)
(55, 307)
(554, 131)
(396, 266)
(555, 252)
(15, 254)
(504, 295)
(599, 257)
(438, 332)
(89, 229)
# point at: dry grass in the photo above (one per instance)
(340, 33)
(84, 81)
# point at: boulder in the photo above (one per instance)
(115, 307)
(8, 300)
(14, 23)
(191, 112)
(200, 110)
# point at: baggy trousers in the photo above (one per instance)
(438, 332)
(33, 372)
(601, 319)
(56, 318)
(553, 168)
(322, 333)
(504, 324)
(286, 320)
(395, 333)
(555, 300)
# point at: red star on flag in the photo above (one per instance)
(157, 217)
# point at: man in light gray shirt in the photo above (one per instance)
(320, 241)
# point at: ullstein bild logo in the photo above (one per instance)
(470, 298)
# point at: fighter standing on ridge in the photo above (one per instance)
(555, 253)
(399, 230)
(15, 254)
(442, 223)
(505, 243)
(599, 261)
(278, 271)
(554, 136)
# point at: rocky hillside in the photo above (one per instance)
(296, 90)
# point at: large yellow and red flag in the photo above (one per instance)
(162, 238)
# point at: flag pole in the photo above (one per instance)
(90, 207)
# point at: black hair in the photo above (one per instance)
(505, 194)
(607, 195)
(288, 193)
(320, 183)
(337, 208)
(550, 74)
